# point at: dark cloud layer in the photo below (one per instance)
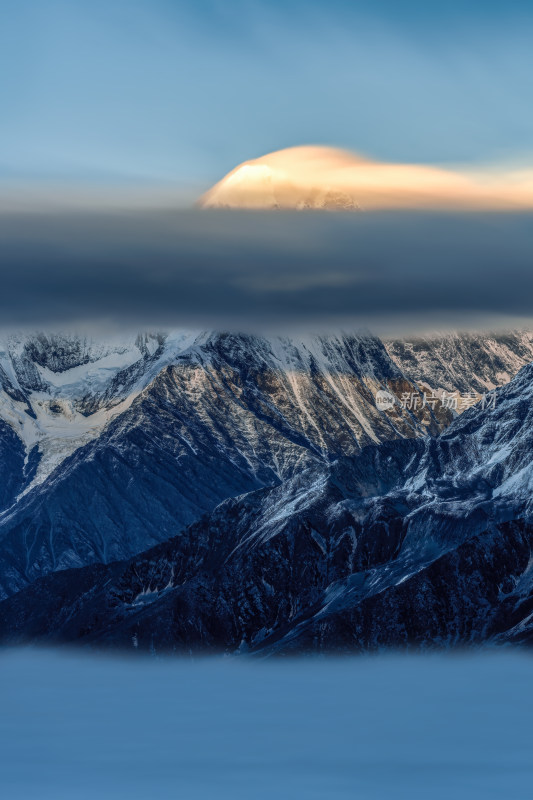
(246, 270)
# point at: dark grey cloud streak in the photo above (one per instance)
(229, 269)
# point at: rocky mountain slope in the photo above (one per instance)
(280, 439)
(57, 392)
(462, 362)
(60, 391)
(414, 541)
(226, 415)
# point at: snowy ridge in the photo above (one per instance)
(463, 362)
(203, 419)
(60, 391)
(141, 437)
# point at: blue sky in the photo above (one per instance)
(155, 90)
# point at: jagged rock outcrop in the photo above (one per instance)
(253, 497)
(415, 542)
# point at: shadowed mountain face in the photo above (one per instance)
(251, 496)
(423, 541)
(226, 415)
(11, 465)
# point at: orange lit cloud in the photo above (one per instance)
(324, 177)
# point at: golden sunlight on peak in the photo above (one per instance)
(315, 177)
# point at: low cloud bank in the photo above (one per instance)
(254, 270)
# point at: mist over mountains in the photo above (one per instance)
(259, 271)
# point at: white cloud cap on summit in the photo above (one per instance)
(328, 178)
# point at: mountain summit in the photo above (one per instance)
(298, 177)
(313, 177)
